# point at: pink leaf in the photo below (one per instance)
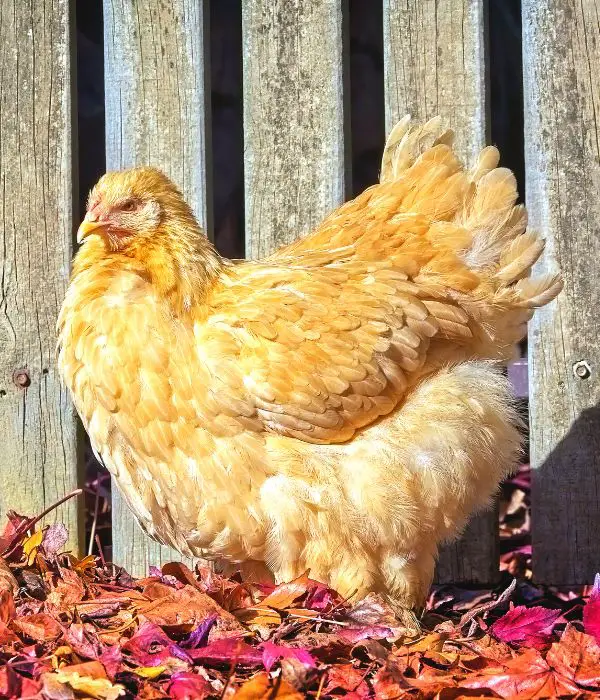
(591, 612)
(271, 653)
(112, 660)
(530, 627)
(150, 646)
(227, 651)
(321, 597)
(185, 685)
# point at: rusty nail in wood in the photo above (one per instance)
(582, 369)
(21, 378)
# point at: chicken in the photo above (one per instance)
(335, 407)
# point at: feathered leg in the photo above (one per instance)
(459, 434)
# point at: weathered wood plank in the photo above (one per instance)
(435, 62)
(561, 50)
(37, 423)
(156, 113)
(295, 163)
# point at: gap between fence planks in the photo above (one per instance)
(157, 104)
(435, 63)
(561, 51)
(37, 421)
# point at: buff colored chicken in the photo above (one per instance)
(329, 407)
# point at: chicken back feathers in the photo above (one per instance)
(322, 408)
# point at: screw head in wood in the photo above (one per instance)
(21, 378)
(582, 369)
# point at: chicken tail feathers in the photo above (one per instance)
(476, 219)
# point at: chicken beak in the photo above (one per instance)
(88, 226)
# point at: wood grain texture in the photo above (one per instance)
(37, 424)
(435, 63)
(562, 143)
(156, 113)
(293, 118)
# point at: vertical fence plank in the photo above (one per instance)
(561, 52)
(156, 113)
(435, 63)
(293, 117)
(37, 423)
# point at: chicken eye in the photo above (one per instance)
(128, 205)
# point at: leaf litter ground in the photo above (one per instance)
(78, 628)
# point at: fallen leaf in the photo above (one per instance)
(150, 672)
(199, 636)
(55, 538)
(261, 687)
(373, 611)
(53, 689)
(150, 646)
(189, 686)
(14, 685)
(225, 652)
(530, 627)
(181, 572)
(83, 639)
(526, 676)
(286, 593)
(112, 660)
(92, 669)
(577, 657)
(8, 583)
(68, 590)
(83, 565)
(186, 608)
(347, 678)
(271, 653)
(31, 544)
(465, 693)
(389, 683)
(40, 627)
(7, 606)
(591, 611)
(14, 531)
(99, 688)
(357, 634)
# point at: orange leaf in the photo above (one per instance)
(92, 669)
(576, 656)
(261, 687)
(526, 676)
(82, 565)
(431, 642)
(285, 594)
(40, 627)
(7, 606)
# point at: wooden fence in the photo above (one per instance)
(296, 156)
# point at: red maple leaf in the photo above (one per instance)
(529, 627)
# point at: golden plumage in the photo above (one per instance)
(328, 407)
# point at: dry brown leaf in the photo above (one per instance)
(7, 580)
